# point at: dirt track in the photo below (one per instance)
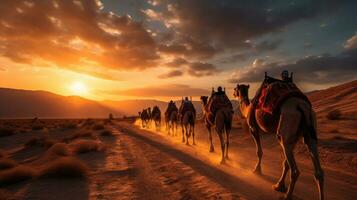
(147, 165)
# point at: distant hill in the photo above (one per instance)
(15, 103)
(342, 97)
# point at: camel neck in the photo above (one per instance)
(244, 106)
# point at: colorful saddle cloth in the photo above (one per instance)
(275, 93)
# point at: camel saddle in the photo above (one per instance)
(216, 102)
(187, 106)
(275, 93)
(171, 108)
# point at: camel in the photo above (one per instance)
(144, 116)
(223, 125)
(187, 114)
(172, 122)
(188, 126)
(296, 119)
(156, 117)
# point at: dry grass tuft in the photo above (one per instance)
(60, 149)
(15, 175)
(82, 134)
(40, 142)
(98, 126)
(6, 163)
(106, 132)
(6, 132)
(66, 167)
(84, 146)
(68, 126)
(334, 115)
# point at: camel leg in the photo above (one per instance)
(227, 143)
(319, 174)
(294, 172)
(211, 149)
(186, 130)
(183, 132)
(221, 138)
(280, 185)
(193, 135)
(256, 137)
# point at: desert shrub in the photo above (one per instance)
(68, 125)
(98, 126)
(15, 175)
(6, 163)
(37, 127)
(40, 142)
(84, 146)
(66, 167)
(334, 115)
(106, 132)
(60, 149)
(6, 131)
(80, 134)
(88, 122)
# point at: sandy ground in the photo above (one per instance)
(145, 164)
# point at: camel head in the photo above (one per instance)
(241, 91)
(204, 99)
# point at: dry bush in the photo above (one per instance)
(334, 115)
(66, 167)
(60, 149)
(88, 122)
(80, 134)
(15, 175)
(106, 132)
(98, 126)
(68, 126)
(84, 146)
(36, 127)
(6, 132)
(6, 163)
(40, 142)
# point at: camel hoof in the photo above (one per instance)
(194, 143)
(223, 162)
(227, 158)
(288, 197)
(279, 188)
(211, 150)
(257, 170)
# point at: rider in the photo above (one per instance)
(186, 105)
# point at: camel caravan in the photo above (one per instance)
(278, 107)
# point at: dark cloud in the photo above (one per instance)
(73, 33)
(267, 45)
(171, 90)
(323, 68)
(197, 69)
(171, 74)
(307, 45)
(222, 25)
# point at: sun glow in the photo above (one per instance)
(78, 88)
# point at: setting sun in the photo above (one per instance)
(78, 88)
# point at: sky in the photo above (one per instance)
(166, 49)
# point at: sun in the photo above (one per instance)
(78, 88)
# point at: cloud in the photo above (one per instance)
(170, 90)
(351, 43)
(319, 69)
(209, 27)
(196, 69)
(73, 33)
(171, 74)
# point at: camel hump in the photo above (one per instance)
(275, 94)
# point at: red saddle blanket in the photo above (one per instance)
(274, 94)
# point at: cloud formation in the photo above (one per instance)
(71, 33)
(323, 68)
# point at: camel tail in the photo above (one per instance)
(308, 122)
